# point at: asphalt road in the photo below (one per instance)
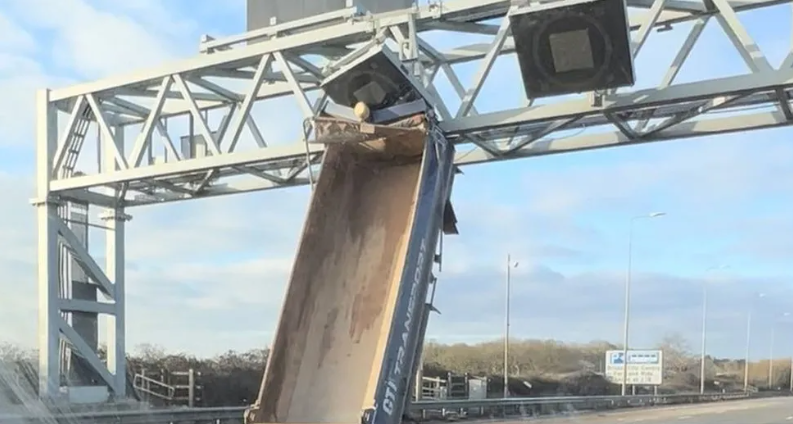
(756, 411)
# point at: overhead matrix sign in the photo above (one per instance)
(645, 367)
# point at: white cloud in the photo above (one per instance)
(17, 105)
(548, 304)
(20, 77)
(13, 37)
(94, 41)
(17, 258)
(47, 43)
(699, 172)
(219, 228)
(207, 308)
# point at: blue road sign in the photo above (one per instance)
(643, 357)
(617, 358)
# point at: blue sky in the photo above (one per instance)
(208, 276)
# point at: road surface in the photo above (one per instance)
(755, 411)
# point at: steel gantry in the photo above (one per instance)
(136, 115)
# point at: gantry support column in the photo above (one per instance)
(115, 333)
(68, 276)
(114, 220)
(48, 282)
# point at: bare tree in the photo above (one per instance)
(552, 367)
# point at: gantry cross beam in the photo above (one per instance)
(119, 142)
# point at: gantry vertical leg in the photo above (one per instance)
(115, 222)
(115, 226)
(48, 282)
(69, 276)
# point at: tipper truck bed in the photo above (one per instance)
(348, 334)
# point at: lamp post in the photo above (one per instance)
(508, 289)
(626, 322)
(791, 373)
(749, 339)
(771, 357)
(704, 327)
(771, 351)
(791, 365)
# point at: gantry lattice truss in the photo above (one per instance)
(230, 75)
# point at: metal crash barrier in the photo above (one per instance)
(424, 410)
(536, 406)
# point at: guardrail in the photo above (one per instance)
(548, 405)
(424, 409)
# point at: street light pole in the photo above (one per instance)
(627, 306)
(703, 353)
(771, 356)
(704, 339)
(748, 340)
(748, 345)
(791, 373)
(771, 353)
(626, 321)
(508, 289)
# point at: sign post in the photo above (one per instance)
(645, 367)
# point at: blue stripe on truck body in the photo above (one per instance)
(400, 351)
